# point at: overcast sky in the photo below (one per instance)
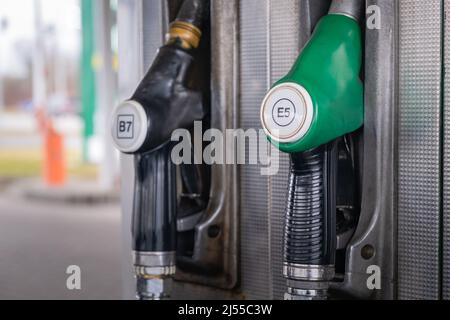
(63, 15)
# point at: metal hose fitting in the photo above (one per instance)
(351, 8)
(186, 29)
(154, 272)
(187, 34)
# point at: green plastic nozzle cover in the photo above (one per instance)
(329, 69)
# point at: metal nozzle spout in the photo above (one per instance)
(351, 8)
(154, 273)
(158, 288)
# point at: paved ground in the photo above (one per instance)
(39, 240)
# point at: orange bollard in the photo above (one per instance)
(54, 166)
(54, 158)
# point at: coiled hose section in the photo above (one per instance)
(310, 226)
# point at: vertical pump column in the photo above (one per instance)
(304, 114)
(143, 126)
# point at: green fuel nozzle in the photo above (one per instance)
(304, 114)
(321, 98)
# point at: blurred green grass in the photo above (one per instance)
(28, 164)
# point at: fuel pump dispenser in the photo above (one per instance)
(142, 126)
(305, 114)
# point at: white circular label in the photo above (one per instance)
(129, 126)
(287, 113)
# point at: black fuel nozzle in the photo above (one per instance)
(142, 126)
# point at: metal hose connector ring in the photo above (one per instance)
(308, 272)
(305, 294)
(188, 34)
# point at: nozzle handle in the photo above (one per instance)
(310, 228)
(154, 208)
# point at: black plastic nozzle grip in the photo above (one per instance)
(154, 208)
(167, 100)
(310, 226)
